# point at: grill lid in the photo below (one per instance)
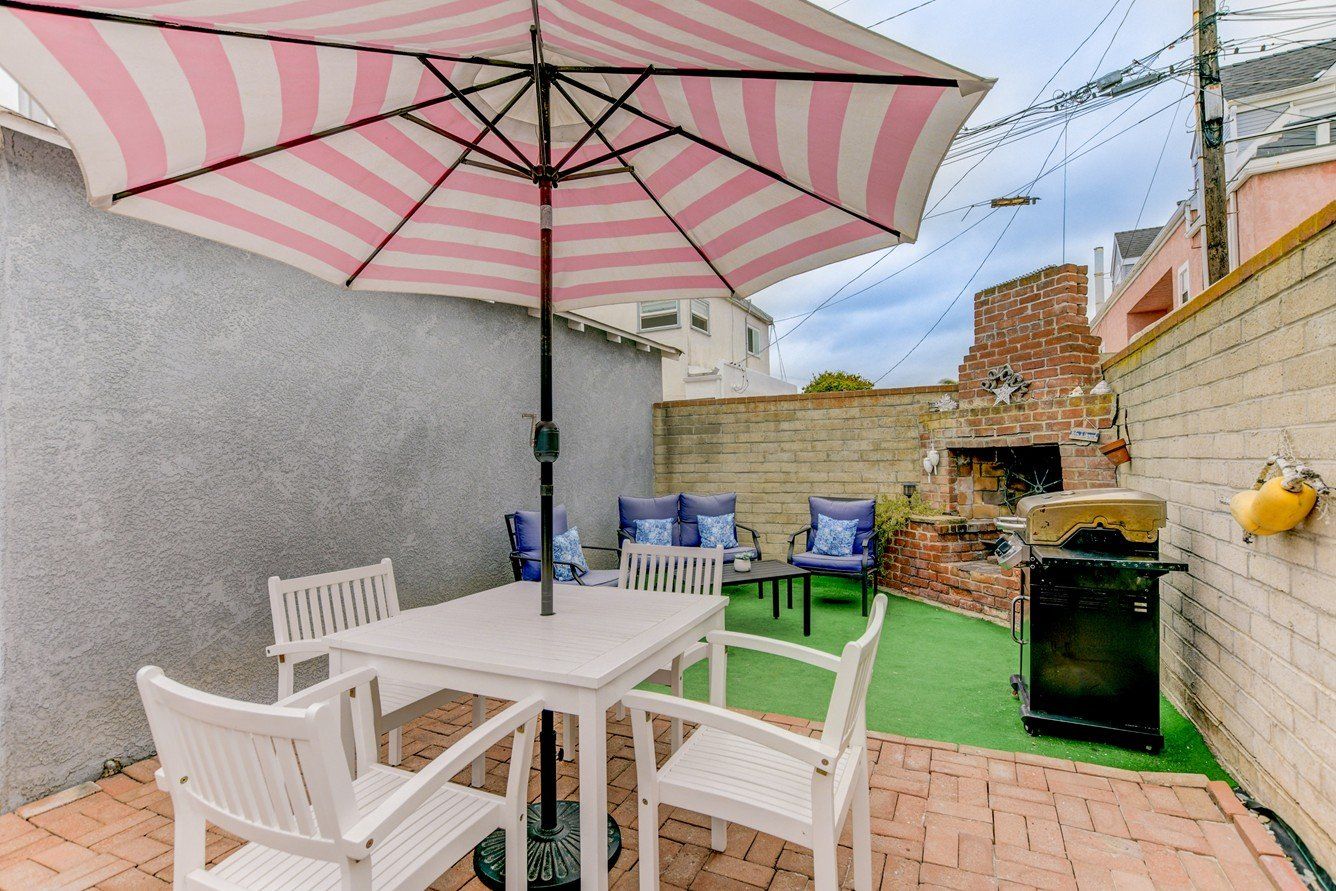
(1053, 518)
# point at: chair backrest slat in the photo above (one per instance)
(672, 570)
(846, 715)
(275, 776)
(311, 607)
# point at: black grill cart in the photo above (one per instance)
(1087, 620)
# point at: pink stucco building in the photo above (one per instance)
(1281, 167)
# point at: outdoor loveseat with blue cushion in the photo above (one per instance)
(863, 563)
(526, 555)
(683, 512)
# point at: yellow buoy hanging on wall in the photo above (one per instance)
(1278, 504)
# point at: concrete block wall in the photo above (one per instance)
(774, 451)
(1249, 638)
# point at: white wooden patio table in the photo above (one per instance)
(601, 643)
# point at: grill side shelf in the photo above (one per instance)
(1047, 554)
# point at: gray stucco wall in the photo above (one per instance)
(182, 420)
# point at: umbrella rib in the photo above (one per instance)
(556, 82)
(526, 172)
(911, 80)
(617, 153)
(166, 24)
(603, 118)
(302, 140)
(454, 165)
(732, 155)
(464, 100)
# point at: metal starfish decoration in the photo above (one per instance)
(1005, 385)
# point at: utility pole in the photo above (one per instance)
(1211, 135)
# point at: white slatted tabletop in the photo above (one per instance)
(601, 643)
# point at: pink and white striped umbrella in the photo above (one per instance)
(700, 148)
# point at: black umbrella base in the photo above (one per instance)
(554, 855)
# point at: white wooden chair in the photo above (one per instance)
(278, 777)
(306, 609)
(736, 768)
(672, 570)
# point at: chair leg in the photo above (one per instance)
(825, 868)
(568, 733)
(480, 764)
(675, 724)
(188, 842)
(863, 580)
(647, 830)
(862, 831)
(396, 747)
(718, 833)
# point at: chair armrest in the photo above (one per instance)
(755, 537)
(330, 689)
(794, 538)
(361, 838)
(575, 570)
(307, 649)
(804, 748)
(775, 648)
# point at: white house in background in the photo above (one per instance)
(723, 344)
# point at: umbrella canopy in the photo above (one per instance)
(698, 148)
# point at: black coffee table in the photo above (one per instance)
(775, 571)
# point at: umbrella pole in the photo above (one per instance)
(554, 837)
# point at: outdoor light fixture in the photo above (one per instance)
(911, 489)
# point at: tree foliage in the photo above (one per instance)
(833, 381)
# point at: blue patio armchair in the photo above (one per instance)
(683, 510)
(526, 556)
(863, 564)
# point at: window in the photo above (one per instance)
(700, 315)
(656, 315)
(1183, 284)
(755, 340)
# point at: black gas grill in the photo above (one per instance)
(1088, 617)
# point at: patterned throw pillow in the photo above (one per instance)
(566, 549)
(717, 532)
(834, 538)
(654, 532)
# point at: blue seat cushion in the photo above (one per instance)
(631, 508)
(595, 578)
(854, 563)
(529, 537)
(730, 554)
(693, 506)
(864, 510)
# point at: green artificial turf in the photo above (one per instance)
(939, 676)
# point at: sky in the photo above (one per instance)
(1021, 44)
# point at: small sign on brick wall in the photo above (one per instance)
(1084, 434)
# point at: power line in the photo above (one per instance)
(1154, 173)
(986, 257)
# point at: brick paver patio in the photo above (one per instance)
(944, 816)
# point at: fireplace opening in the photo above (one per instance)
(990, 481)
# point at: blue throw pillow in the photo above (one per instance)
(566, 549)
(717, 532)
(654, 532)
(834, 538)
